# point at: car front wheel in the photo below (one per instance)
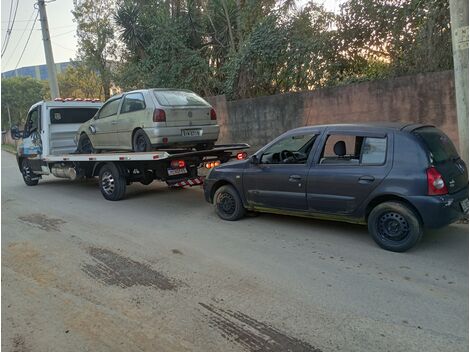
(394, 226)
(228, 204)
(84, 145)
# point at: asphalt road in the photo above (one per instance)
(159, 271)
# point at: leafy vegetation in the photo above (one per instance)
(18, 94)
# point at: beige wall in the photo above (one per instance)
(425, 98)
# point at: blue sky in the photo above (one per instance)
(62, 30)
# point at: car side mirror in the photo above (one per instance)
(15, 132)
(254, 160)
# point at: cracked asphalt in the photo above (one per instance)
(159, 271)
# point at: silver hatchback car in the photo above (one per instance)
(147, 119)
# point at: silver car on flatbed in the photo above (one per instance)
(147, 119)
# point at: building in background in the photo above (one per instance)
(37, 72)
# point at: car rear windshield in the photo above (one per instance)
(439, 145)
(72, 115)
(178, 98)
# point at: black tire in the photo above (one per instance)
(28, 177)
(141, 142)
(228, 204)
(84, 145)
(394, 226)
(112, 182)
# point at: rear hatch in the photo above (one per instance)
(444, 158)
(184, 108)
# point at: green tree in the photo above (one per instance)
(18, 94)
(96, 44)
(78, 81)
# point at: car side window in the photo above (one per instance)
(133, 102)
(109, 109)
(289, 150)
(353, 150)
(373, 150)
(32, 123)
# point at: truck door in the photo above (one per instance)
(278, 181)
(349, 167)
(31, 145)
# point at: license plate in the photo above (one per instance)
(191, 133)
(464, 205)
(173, 172)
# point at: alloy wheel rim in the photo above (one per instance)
(107, 182)
(393, 226)
(226, 203)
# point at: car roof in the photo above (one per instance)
(369, 126)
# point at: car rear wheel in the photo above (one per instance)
(140, 142)
(228, 204)
(112, 182)
(84, 145)
(394, 226)
(28, 176)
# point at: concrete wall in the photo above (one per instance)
(426, 98)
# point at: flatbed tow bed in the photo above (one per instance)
(116, 170)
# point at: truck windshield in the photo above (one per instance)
(72, 115)
(439, 145)
(178, 98)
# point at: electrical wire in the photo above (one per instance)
(19, 40)
(27, 41)
(8, 34)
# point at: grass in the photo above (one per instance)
(10, 148)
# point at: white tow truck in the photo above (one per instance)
(46, 146)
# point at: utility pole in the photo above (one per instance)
(51, 70)
(459, 27)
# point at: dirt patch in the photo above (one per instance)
(176, 251)
(18, 344)
(42, 221)
(114, 269)
(253, 335)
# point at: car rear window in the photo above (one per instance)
(72, 115)
(439, 145)
(178, 98)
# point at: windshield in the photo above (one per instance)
(179, 98)
(439, 145)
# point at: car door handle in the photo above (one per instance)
(114, 123)
(295, 178)
(366, 179)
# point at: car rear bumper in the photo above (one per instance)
(439, 211)
(174, 135)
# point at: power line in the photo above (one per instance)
(19, 40)
(9, 22)
(27, 41)
(8, 34)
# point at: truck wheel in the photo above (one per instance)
(228, 204)
(84, 145)
(112, 182)
(394, 226)
(140, 142)
(28, 177)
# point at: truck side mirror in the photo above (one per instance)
(15, 132)
(254, 160)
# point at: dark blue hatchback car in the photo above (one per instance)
(396, 178)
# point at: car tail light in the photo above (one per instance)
(436, 184)
(213, 115)
(159, 115)
(212, 164)
(177, 164)
(242, 155)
